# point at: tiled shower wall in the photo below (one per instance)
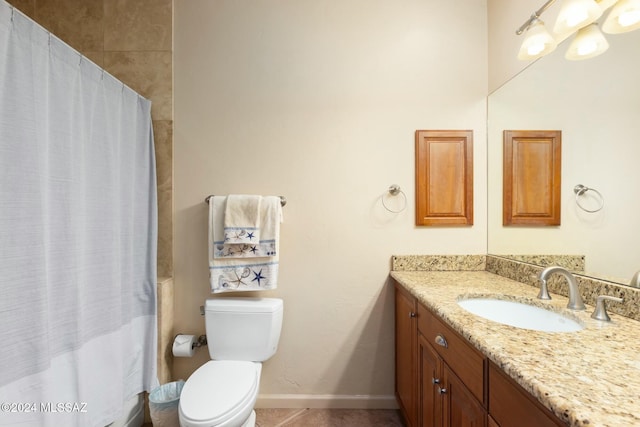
(132, 40)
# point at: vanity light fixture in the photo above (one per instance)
(538, 42)
(578, 16)
(624, 17)
(589, 42)
(575, 14)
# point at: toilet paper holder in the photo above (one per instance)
(202, 340)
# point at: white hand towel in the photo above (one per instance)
(241, 273)
(242, 219)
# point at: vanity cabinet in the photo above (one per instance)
(443, 381)
(439, 377)
(451, 373)
(444, 398)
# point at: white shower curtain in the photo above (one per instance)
(78, 229)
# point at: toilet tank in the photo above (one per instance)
(243, 328)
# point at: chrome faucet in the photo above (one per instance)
(575, 299)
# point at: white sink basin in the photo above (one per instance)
(520, 315)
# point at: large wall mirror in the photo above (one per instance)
(596, 105)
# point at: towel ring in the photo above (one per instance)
(394, 190)
(579, 190)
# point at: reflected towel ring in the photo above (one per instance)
(580, 190)
(394, 190)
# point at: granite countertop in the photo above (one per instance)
(587, 378)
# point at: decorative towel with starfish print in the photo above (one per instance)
(256, 250)
(242, 219)
(235, 265)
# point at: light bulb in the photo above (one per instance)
(629, 18)
(535, 49)
(575, 17)
(588, 42)
(587, 48)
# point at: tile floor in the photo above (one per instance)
(328, 418)
(325, 418)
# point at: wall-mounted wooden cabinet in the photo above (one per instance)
(444, 177)
(531, 177)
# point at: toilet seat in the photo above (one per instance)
(220, 393)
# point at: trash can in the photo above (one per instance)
(163, 404)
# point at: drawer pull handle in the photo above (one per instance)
(442, 390)
(435, 380)
(412, 314)
(441, 341)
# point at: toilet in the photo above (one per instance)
(241, 333)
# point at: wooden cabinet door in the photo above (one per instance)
(460, 408)
(406, 342)
(431, 380)
(444, 400)
(462, 358)
(531, 177)
(512, 406)
(444, 177)
(427, 390)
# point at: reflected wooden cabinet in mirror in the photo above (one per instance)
(532, 175)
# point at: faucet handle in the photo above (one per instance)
(544, 291)
(635, 280)
(600, 313)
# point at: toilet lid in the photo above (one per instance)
(217, 390)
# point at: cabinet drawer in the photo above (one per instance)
(512, 406)
(462, 358)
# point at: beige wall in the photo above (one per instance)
(318, 101)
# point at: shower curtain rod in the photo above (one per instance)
(81, 57)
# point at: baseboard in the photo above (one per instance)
(328, 401)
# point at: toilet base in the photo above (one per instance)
(251, 421)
